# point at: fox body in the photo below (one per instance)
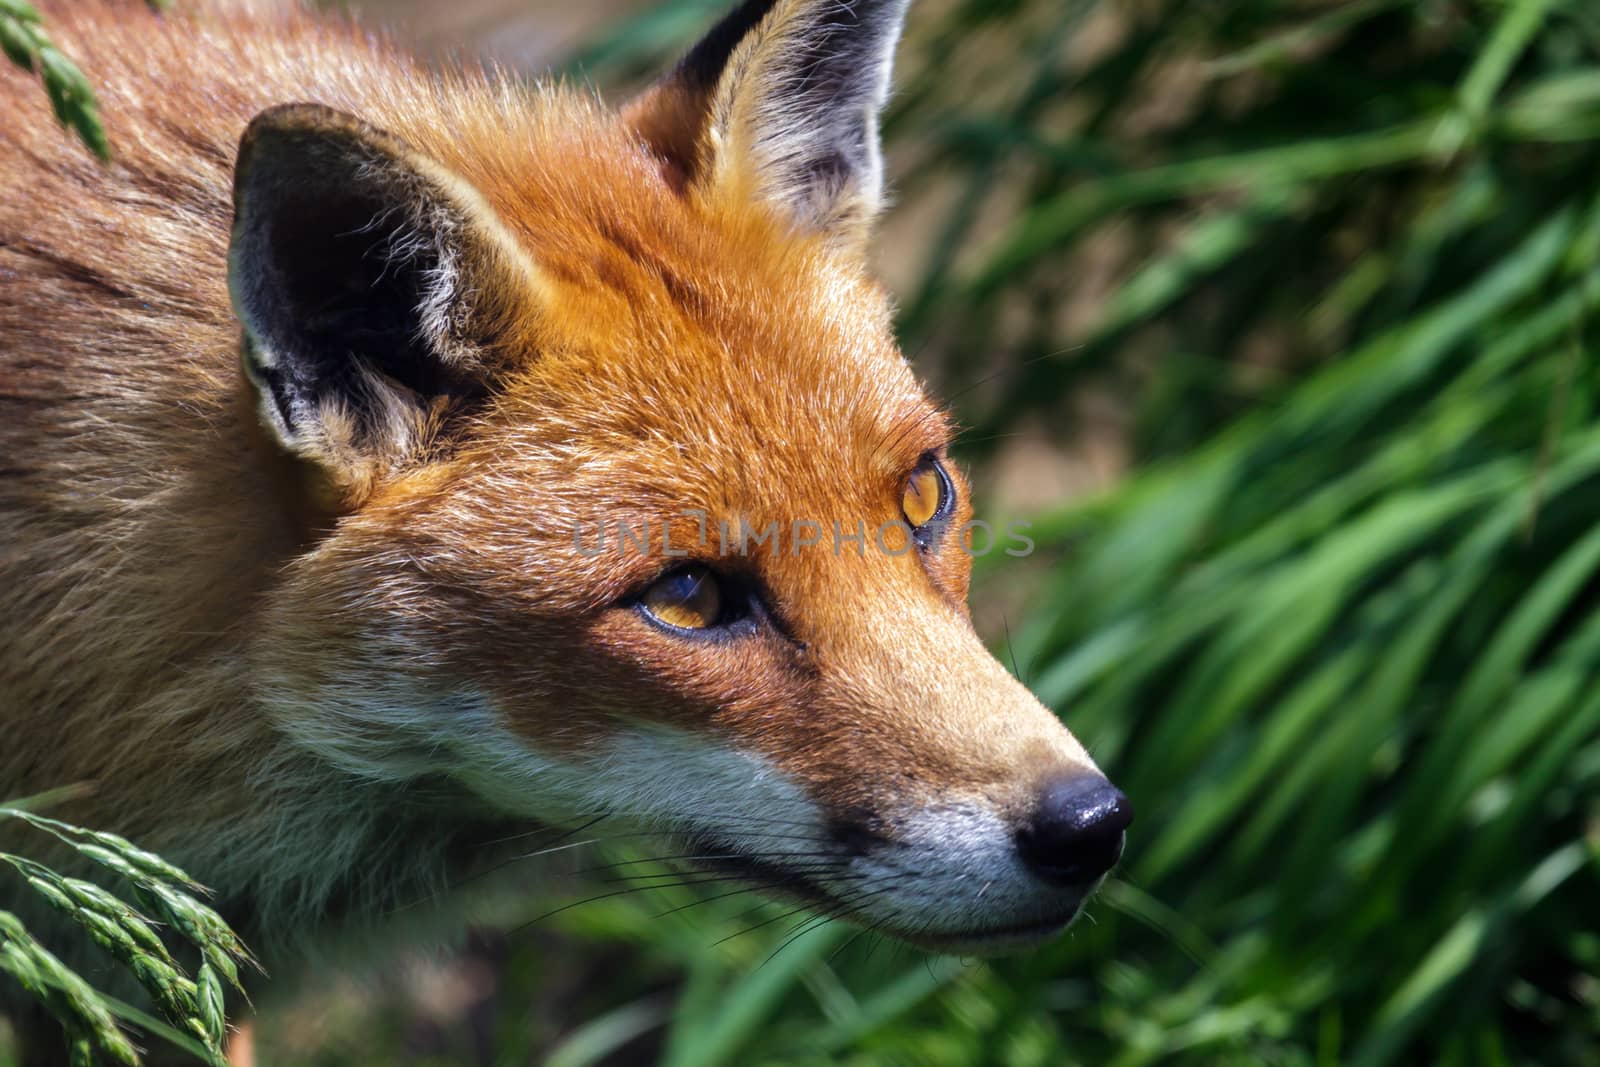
(308, 397)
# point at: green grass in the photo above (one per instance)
(190, 1007)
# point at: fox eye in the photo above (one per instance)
(927, 494)
(690, 598)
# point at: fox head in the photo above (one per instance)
(627, 502)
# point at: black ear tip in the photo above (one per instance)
(305, 126)
(300, 113)
(301, 118)
(705, 61)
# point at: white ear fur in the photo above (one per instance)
(359, 269)
(781, 99)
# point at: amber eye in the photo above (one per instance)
(927, 494)
(689, 598)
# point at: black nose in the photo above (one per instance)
(1075, 834)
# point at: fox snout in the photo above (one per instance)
(956, 875)
(1074, 835)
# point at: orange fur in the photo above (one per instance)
(184, 604)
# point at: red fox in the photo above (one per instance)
(311, 403)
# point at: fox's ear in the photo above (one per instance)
(781, 99)
(370, 281)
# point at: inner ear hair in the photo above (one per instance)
(781, 100)
(364, 274)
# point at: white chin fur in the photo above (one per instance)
(951, 878)
(955, 883)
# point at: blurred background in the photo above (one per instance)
(1274, 317)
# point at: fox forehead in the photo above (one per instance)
(690, 351)
(712, 428)
(751, 409)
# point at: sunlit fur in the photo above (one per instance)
(320, 686)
